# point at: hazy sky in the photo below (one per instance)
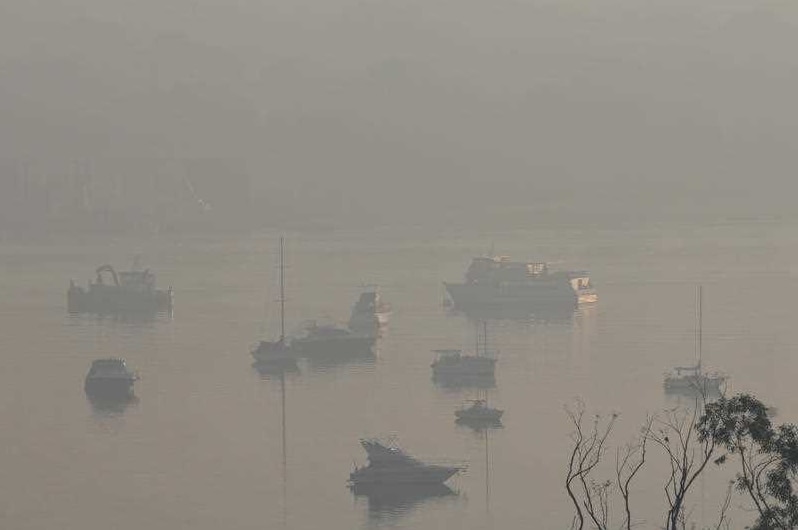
(345, 108)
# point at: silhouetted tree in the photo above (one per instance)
(767, 457)
(677, 432)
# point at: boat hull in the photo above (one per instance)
(377, 476)
(109, 388)
(343, 346)
(523, 297)
(272, 352)
(115, 300)
(695, 386)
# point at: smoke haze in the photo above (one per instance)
(353, 113)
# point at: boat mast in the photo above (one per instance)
(282, 291)
(485, 336)
(699, 331)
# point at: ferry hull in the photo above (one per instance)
(531, 297)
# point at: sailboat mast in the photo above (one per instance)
(485, 336)
(282, 290)
(700, 332)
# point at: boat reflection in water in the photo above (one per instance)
(269, 370)
(386, 501)
(111, 406)
(327, 363)
(555, 315)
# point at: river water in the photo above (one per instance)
(202, 447)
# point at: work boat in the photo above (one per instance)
(109, 378)
(390, 466)
(124, 292)
(479, 413)
(276, 351)
(495, 284)
(693, 379)
(369, 314)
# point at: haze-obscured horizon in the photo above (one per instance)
(208, 115)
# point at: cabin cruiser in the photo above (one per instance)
(369, 314)
(126, 292)
(499, 284)
(478, 413)
(110, 378)
(391, 466)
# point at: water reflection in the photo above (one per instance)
(276, 370)
(326, 363)
(480, 425)
(562, 315)
(132, 319)
(464, 382)
(394, 501)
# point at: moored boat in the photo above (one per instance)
(391, 466)
(126, 292)
(369, 314)
(326, 339)
(694, 380)
(499, 284)
(110, 378)
(479, 413)
(278, 351)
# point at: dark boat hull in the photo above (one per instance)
(114, 300)
(108, 389)
(517, 298)
(427, 475)
(344, 346)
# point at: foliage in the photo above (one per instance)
(767, 457)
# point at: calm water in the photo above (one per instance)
(202, 447)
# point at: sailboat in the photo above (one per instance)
(694, 379)
(277, 351)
